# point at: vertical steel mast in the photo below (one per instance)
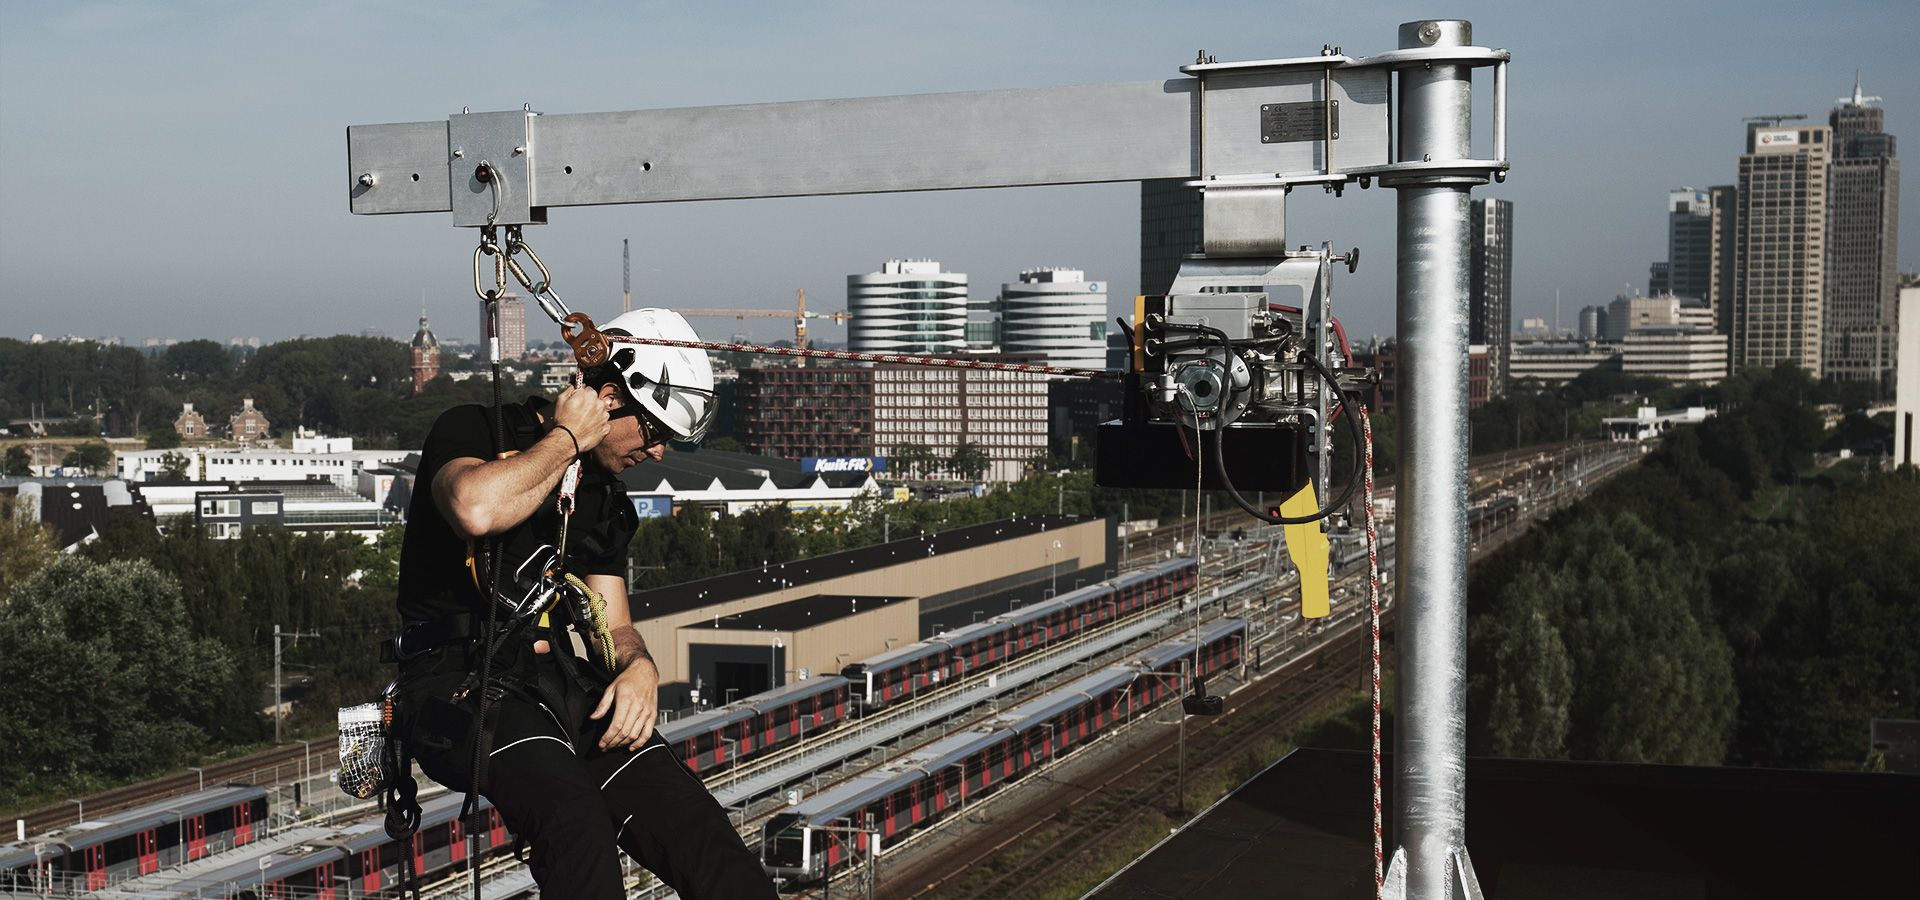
(1432, 254)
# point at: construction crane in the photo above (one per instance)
(800, 315)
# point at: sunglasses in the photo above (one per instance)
(656, 433)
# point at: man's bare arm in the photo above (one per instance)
(633, 697)
(480, 498)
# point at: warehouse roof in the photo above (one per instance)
(799, 573)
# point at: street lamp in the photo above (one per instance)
(773, 662)
(1053, 567)
(306, 768)
(733, 759)
(203, 776)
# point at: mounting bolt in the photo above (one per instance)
(459, 154)
(1429, 32)
(367, 179)
(520, 151)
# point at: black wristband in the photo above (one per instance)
(569, 431)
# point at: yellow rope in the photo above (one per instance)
(602, 635)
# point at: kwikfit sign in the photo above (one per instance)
(822, 465)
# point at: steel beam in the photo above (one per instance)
(1220, 126)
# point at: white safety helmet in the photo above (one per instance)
(672, 385)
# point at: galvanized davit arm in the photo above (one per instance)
(1243, 132)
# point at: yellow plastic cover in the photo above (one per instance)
(1307, 547)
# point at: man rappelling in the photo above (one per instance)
(514, 556)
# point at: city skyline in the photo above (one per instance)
(231, 217)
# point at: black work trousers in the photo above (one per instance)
(574, 803)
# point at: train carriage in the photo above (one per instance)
(358, 860)
(1222, 643)
(907, 793)
(901, 672)
(306, 871)
(139, 841)
(373, 861)
(757, 724)
(927, 784)
(912, 670)
(1071, 715)
(702, 740)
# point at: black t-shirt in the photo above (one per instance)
(435, 580)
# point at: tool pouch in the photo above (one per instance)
(366, 732)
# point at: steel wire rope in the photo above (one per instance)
(1373, 627)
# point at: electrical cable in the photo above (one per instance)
(1226, 483)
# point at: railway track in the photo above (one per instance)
(1108, 801)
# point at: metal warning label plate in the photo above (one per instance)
(1311, 120)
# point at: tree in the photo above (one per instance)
(1651, 676)
(174, 467)
(969, 461)
(26, 546)
(724, 443)
(163, 438)
(93, 457)
(912, 460)
(19, 461)
(1521, 693)
(197, 361)
(105, 678)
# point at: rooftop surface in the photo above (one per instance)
(696, 470)
(795, 615)
(799, 573)
(1540, 829)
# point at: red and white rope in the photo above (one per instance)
(849, 355)
(1373, 626)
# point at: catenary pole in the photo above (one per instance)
(1432, 255)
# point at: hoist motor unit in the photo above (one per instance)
(1216, 366)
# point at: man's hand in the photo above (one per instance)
(634, 700)
(584, 413)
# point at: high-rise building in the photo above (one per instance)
(425, 351)
(1003, 413)
(909, 306)
(1490, 301)
(983, 325)
(1780, 246)
(793, 412)
(1906, 392)
(1689, 267)
(1593, 322)
(1055, 315)
(1861, 328)
(1721, 198)
(1170, 230)
(513, 326)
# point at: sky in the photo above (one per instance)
(179, 169)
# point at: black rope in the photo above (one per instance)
(470, 809)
